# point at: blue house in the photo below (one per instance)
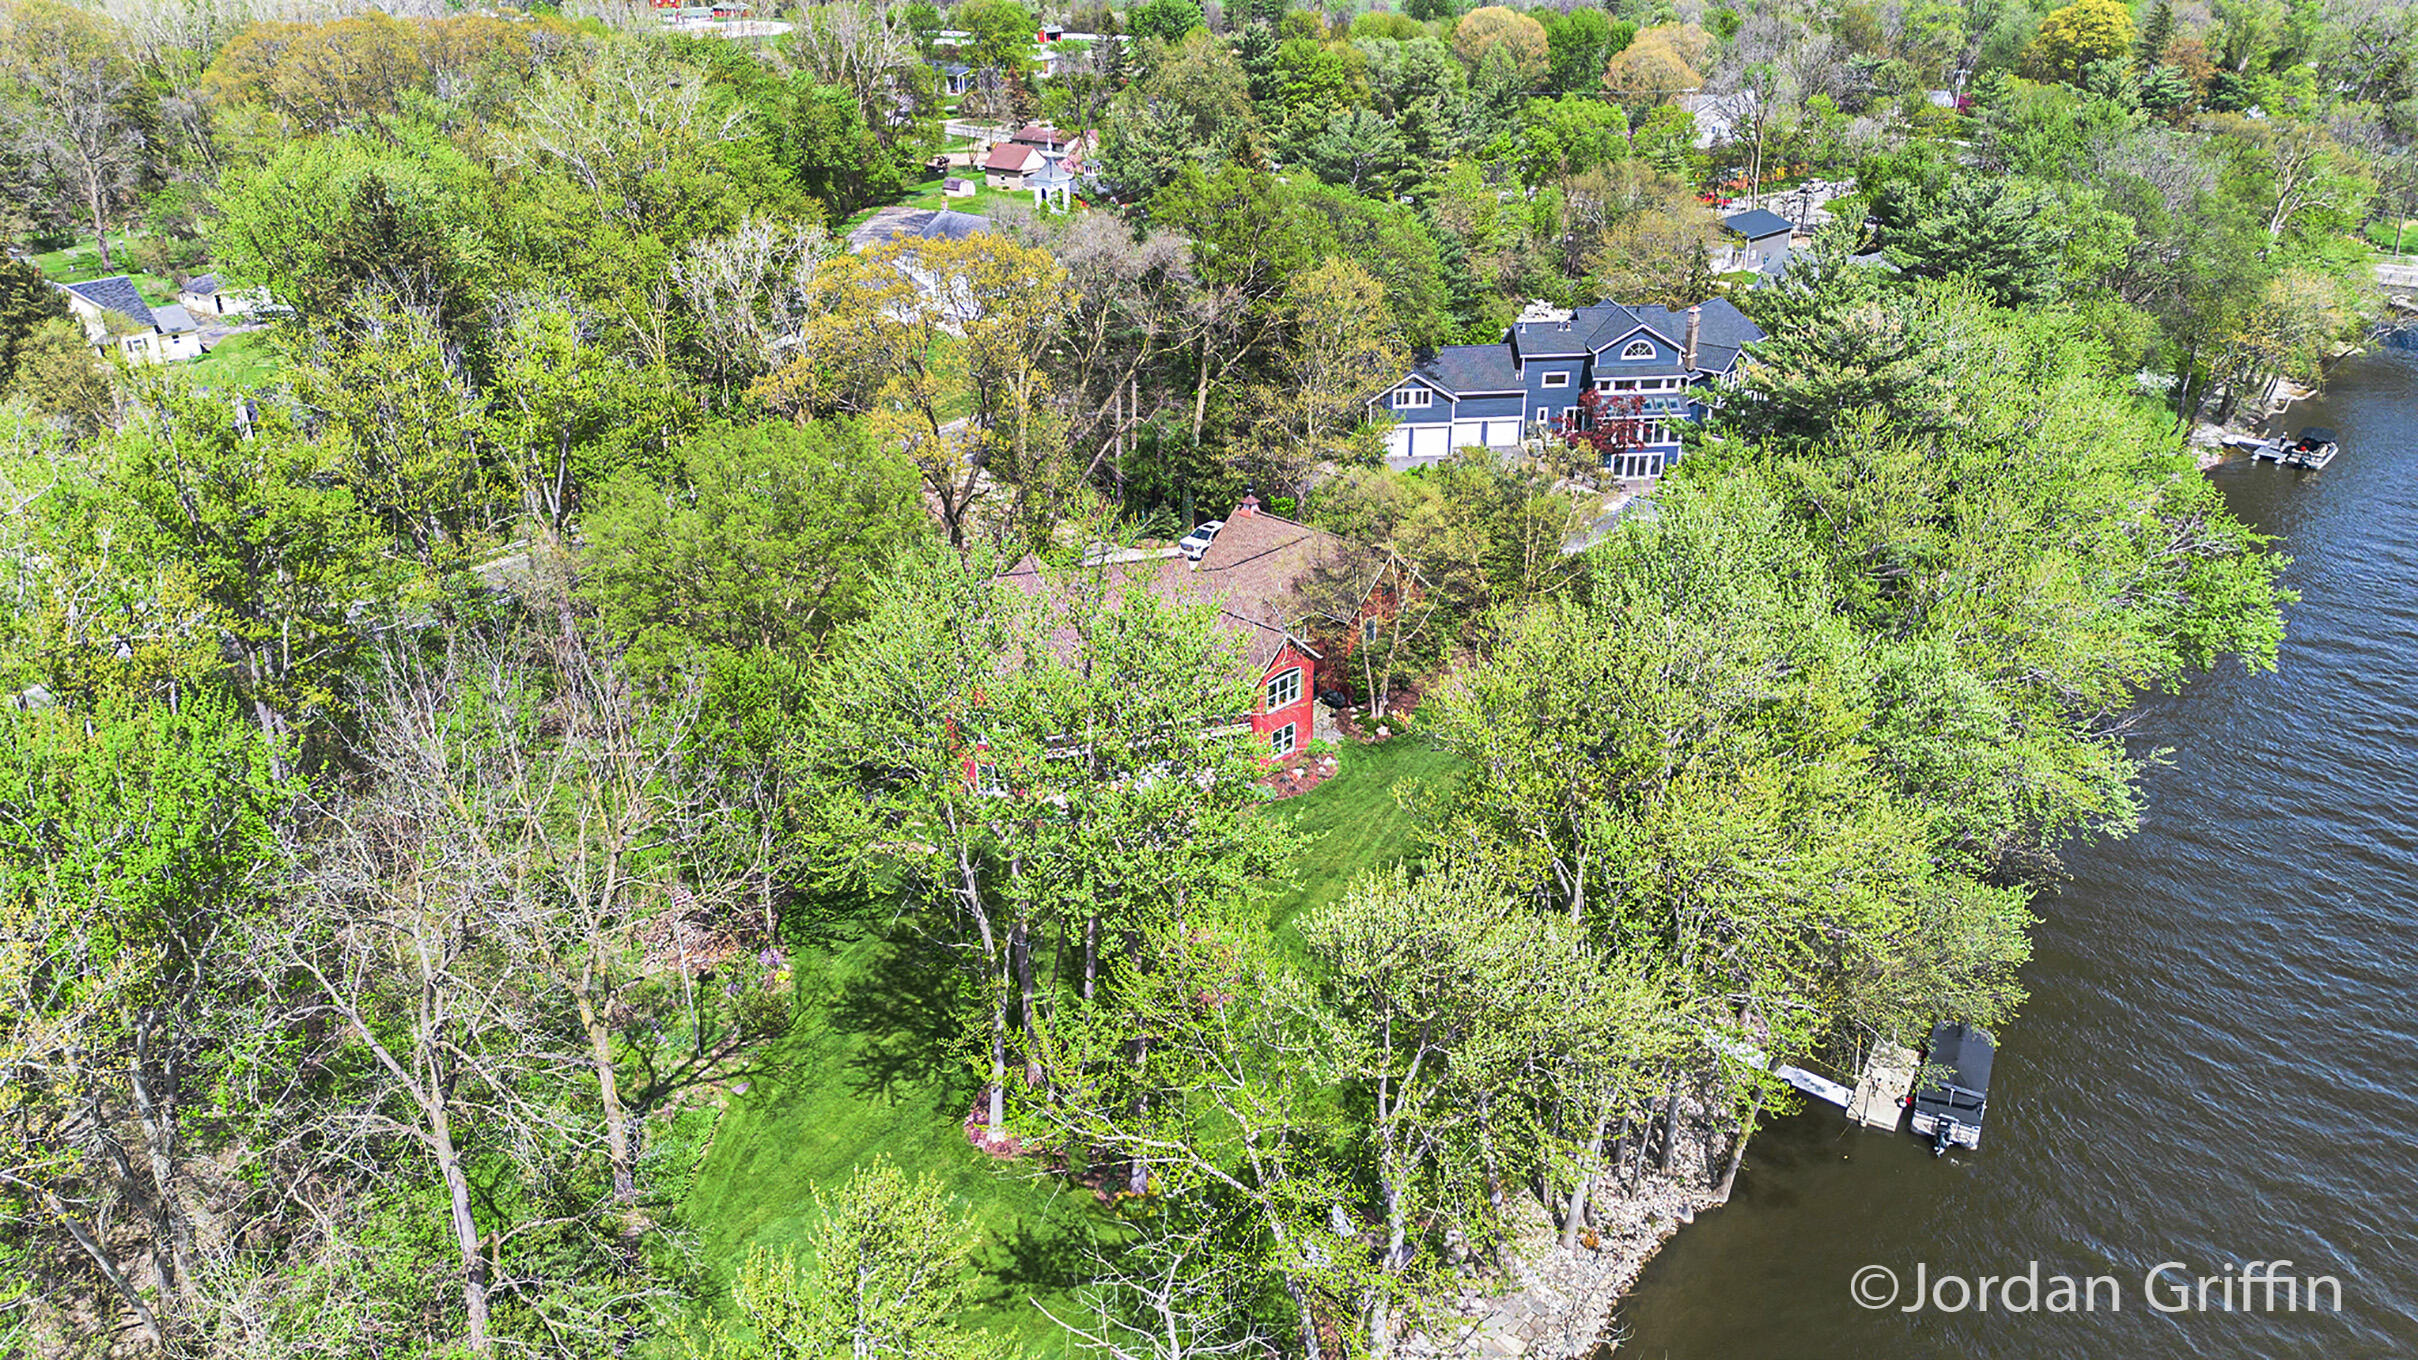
(1529, 383)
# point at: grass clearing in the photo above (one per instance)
(82, 261)
(873, 1065)
(1355, 822)
(983, 202)
(244, 360)
(2381, 235)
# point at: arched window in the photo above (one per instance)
(1638, 349)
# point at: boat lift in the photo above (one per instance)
(2315, 448)
(1947, 1107)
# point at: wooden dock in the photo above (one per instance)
(1879, 1098)
(1814, 1084)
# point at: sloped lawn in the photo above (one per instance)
(873, 1065)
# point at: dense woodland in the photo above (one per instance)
(433, 771)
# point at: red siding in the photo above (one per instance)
(1265, 721)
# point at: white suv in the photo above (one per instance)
(1197, 542)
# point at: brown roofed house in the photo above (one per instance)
(1010, 164)
(1293, 597)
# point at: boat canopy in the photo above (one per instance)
(2317, 434)
(1964, 1053)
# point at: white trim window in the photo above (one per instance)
(1544, 415)
(1638, 349)
(1281, 741)
(1557, 380)
(1412, 398)
(1284, 689)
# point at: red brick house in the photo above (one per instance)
(1262, 571)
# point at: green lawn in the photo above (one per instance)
(926, 193)
(239, 361)
(1354, 821)
(82, 261)
(873, 1066)
(984, 201)
(2380, 235)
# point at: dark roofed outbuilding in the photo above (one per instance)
(1757, 224)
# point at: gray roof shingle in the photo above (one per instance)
(1721, 332)
(953, 226)
(1462, 369)
(115, 293)
(1757, 224)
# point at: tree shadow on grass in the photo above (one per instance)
(901, 1001)
(1049, 1253)
(724, 1054)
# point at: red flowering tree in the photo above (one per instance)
(1606, 426)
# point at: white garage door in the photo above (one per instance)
(1431, 441)
(1468, 432)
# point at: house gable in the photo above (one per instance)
(1640, 346)
(115, 294)
(1284, 714)
(1416, 398)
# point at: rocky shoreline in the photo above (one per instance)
(1556, 1303)
(1559, 1304)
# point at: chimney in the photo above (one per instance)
(1249, 506)
(1687, 357)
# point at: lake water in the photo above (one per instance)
(2219, 1061)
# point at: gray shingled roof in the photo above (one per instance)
(952, 226)
(1757, 224)
(897, 221)
(173, 319)
(202, 286)
(1463, 369)
(1721, 333)
(115, 293)
(1603, 323)
(1722, 330)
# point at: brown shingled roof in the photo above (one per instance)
(1253, 572)
(1010, 158)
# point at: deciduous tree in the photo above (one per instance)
(77, 106)
(766, 536)
(1489, 27)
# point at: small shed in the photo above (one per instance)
(957, 186)
(1759, 240)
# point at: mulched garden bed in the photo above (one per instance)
(1300, 772)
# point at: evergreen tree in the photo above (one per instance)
(2156, 31)
(1996, 232)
